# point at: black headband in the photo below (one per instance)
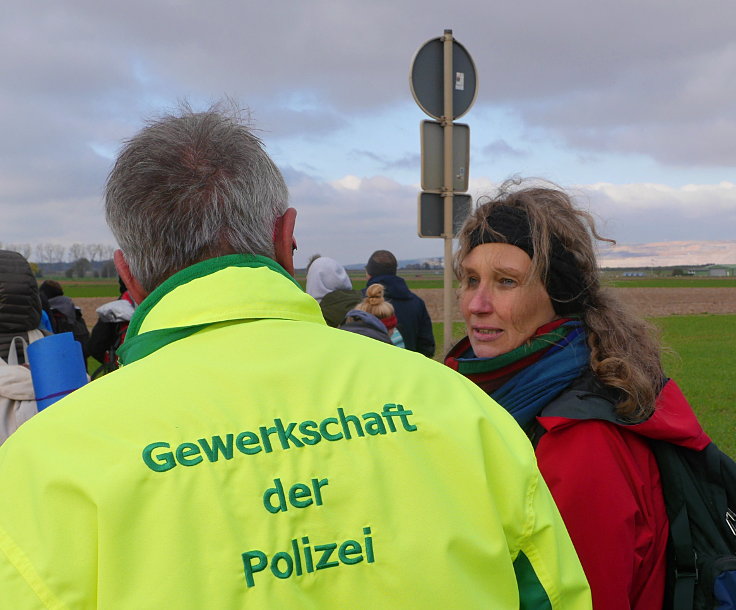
(565, 283)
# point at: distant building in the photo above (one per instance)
(427, 264)
(722, 270)
(716, 271)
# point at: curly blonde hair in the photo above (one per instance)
(624, 349)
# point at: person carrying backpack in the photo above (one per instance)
(65, 315)
(109, 332)
(20, 315)
(583, 377)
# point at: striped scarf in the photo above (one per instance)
(527, 378)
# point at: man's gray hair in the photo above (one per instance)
(190, 187)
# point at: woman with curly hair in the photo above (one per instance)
(543, 336)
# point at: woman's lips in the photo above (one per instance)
(487, 334)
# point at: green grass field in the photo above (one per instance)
(701, 361)
(99, 288)
(699, 357)
(105, 288)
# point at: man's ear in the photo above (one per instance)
(284, 243)
(131, 283)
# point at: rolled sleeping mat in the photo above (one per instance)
(57, 367)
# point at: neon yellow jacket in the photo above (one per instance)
(247, 455)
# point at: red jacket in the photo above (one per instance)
(618, 524)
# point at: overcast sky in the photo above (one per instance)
(631, 104)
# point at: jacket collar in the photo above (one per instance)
(229, 288)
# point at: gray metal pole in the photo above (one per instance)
(447, 188)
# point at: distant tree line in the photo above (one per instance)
(83, 259)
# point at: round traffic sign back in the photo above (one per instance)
(427, 81)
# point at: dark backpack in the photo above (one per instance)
(700, 495)
(78, 327)
(699, 489)
(110, 361)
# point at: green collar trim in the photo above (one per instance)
(141, 346)
(198, 270)
(137, 346)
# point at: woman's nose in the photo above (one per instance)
(481, 302)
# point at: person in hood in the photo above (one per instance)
(330, 285)
(366, 324)
(414, 322)
(538, 324)
(20, 306)
(20, 315)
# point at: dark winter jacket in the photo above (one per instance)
(415, 325)
(20, 307)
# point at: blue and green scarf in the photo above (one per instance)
(526, 379)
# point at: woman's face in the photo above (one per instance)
(501, 308)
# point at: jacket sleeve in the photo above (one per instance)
(607, 488)
(548, 571)
(425, 335)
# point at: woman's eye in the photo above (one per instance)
(471, 281)
(507, 281)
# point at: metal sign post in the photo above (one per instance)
(444, 84)
(447, 189)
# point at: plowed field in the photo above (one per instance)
(648, 302)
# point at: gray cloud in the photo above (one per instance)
(638, 213)
(635, 77)
(689, 253)
(628, 76)
(384, 163)
(501, 148)
(350, 218)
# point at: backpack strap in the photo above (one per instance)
(584, 398)
(13, 352)
(35, 335)
(683, 555)
(686, 572)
